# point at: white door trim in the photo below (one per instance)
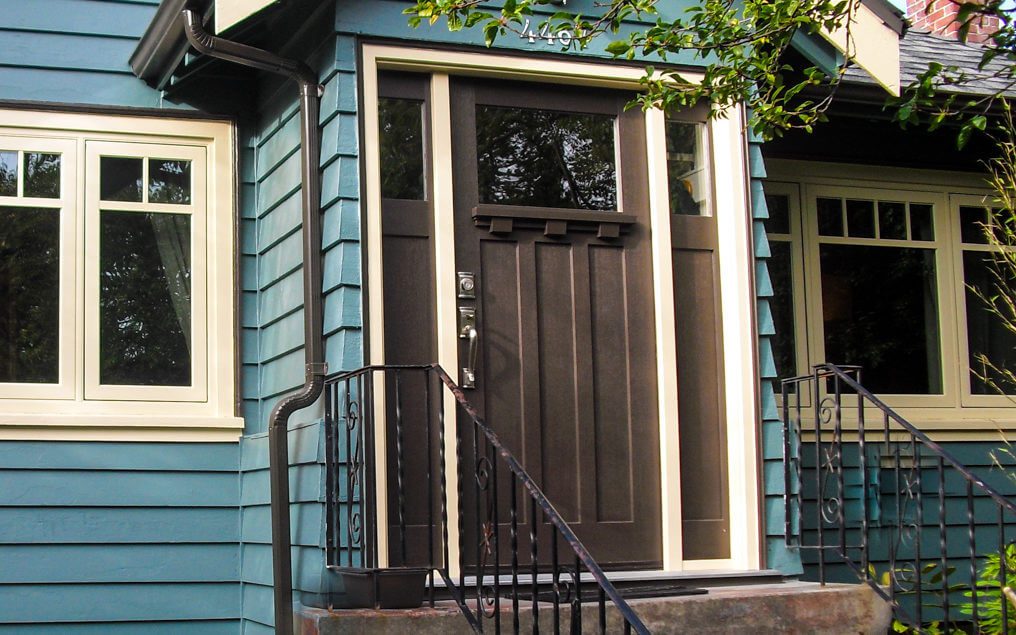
(736, 263)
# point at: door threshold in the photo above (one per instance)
(621, 579)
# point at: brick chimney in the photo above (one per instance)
(939, 17)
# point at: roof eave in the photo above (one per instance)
(164, 43)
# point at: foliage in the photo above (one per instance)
(989, 595)
(741, 46)
(998, 296)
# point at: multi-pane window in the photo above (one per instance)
(115, 278)
(888, 280)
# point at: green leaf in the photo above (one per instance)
(618, 47)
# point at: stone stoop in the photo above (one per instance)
(787, 607)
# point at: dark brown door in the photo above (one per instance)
(552, 219)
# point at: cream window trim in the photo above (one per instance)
(956, 414)
(85, 410)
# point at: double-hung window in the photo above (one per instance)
(879, 274)
(116, 278)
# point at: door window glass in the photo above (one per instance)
(546, 158)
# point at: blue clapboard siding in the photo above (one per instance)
(306, 476)
(882, 510)
(119, 537)
(384, 18)
(777, 555)
(74, 51)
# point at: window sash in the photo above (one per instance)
(967, 397)
(93, 388)
(811, 241)
(65, 387)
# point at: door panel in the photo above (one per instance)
(566, 370)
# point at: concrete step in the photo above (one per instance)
(785, 607)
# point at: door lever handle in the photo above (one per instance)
(469, 371)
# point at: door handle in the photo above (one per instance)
(469, 372)
(467, 331)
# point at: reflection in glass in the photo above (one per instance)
(29, 295)
(8, 173)
(782, 307)
(169, 181)
(987, 334)
(860, 219)
(401, 130)
(892, 220)
(42, 175)
(545, 158)
(922, 226)
(144, 299)
(687, 173)
(972, 224)
(830, 216)
(778, 206)
(880, 311)
(120, 179)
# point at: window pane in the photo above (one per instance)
(892, 220)
(169, 181)
(29, 295)
(120, 179)
(42, 175)
(830, 216)
(782, 306)
(922, 226)
(880, 311)
(144, 299)
(972, 222)
(8, 173)
(545, 158)
(778, 206)
(687, 169)
(987, 334)
(402, 171)
(861, 219)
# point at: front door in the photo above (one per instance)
(552, 230)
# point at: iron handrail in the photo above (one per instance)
(929, 572)
(350, 398)
(978, 482)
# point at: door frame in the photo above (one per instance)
(736, 258)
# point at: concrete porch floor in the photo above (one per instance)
(786, 607)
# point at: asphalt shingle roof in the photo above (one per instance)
(918, 49)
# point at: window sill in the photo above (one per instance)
(95, 427)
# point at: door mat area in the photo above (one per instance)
(631, 592)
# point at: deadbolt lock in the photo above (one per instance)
(467, 285)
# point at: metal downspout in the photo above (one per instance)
(310, 157)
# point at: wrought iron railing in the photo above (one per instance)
(868, 490)
(515, 563)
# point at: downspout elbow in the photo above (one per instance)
(208, 44)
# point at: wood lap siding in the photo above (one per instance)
(272, 306)
(777, 556)
(74, 51)
(118, 537)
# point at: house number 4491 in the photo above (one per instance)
(564, 36)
